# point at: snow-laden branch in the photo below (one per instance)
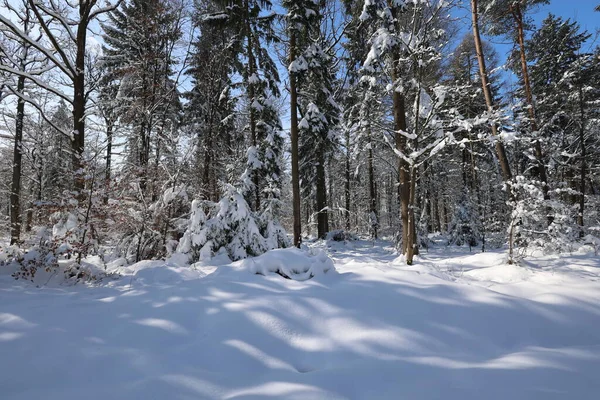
(37, 81)
(67, 66)
(104, 10)
(32, 102)
(35, 44)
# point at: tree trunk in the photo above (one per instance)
(403, 167)
(79, 100)
(583, 168)
(347, 188)
(541, 166)
(483, 74)
(251, 95)
(15, 190)
(294, 144)
(321, 197)
(374, 218)
(107, 174)
(412, 248)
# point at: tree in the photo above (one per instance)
(297, 19)
(210, 111)
(509, 18)
(251, 25)
(22, 58)
(406, 47)
(563, 81)
(138, 55)
(72, 21)
(485, 84)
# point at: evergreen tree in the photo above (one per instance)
(138, 55)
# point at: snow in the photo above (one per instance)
(292, 263)
(455, 325)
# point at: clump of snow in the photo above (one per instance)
(505, 273)
(151, 272)
(292, 263)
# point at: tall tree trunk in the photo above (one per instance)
(374, 218)
(412, 248)
(483, 74)
(347, 187)
(403, 167)
(79, 100)
(15, 190)
(294, 144)
(321, 197)
(208, 143)
(251, 95)
(107, 173)
(537, 147)
(583, 167)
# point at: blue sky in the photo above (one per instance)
(581, 11)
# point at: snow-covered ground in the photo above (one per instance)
(453, 326)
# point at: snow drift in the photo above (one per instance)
(291, 263)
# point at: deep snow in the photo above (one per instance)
(453, 326)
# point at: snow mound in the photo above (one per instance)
(158, 272)
(504, 273)
(291, 263)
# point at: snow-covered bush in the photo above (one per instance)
(292, 263)
(150, 232)
(41, 255)
(464, 227)
(538, 223)
(229, 224)
(593, 241)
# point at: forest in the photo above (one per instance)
(299, 199)
(130, 123)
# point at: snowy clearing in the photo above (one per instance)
(453, 326)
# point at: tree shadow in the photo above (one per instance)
(352, 336)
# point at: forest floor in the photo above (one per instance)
(456, 325)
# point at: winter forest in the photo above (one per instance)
(324, 191)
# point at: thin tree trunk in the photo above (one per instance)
(107, 174)
(483, 74)
(583, 168)
(251, 94)
(79, 100)
(541, 167)
(321, 197)
(294, 144)
(15, 191)
(372, 194)
(403, 167)
(347, 188)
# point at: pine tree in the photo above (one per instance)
(251, 23)
(138, 56)
(209, 112)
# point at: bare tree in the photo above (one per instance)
(64, 27)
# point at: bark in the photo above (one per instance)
(107, 174)
(403, 167)
(583, 168)
(294, 145)
(347, 187)
(321, 197)
(483, 74)
(15, 190)
(540, 167)
(79, 100)
(412, 248)
(251, 94)
(372, 192)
